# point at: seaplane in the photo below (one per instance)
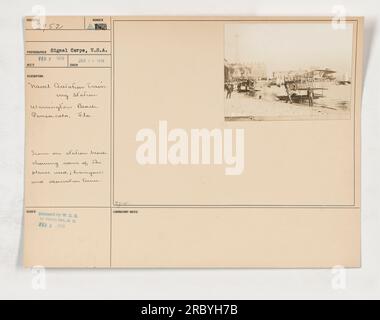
(321, 74)
(298, 86)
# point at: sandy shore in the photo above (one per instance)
(241, 106)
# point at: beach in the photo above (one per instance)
(334, 105)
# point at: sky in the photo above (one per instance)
(290, 46)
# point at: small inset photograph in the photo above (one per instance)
(288, 71)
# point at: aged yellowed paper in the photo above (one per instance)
(193, 142)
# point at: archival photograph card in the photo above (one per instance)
(192, 142)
